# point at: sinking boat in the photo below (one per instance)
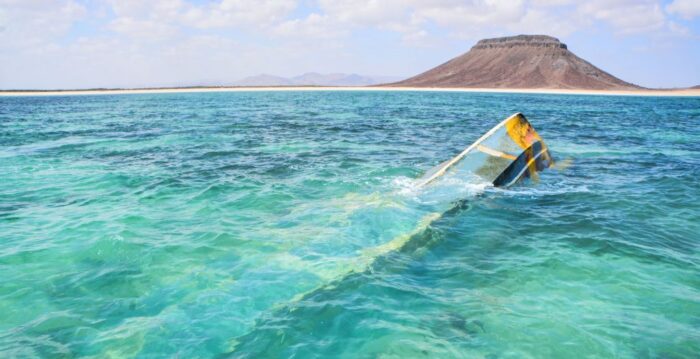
(506, 154)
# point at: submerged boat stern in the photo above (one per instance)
(509, 152)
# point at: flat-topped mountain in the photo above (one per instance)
(523, 61)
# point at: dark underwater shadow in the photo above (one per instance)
(277, 330)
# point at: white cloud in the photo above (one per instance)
(470, 19)
(487, 18)
(232, 13)
(537, 21)
(552, 2)
(393, 15)
(314, 26)
(35, 23)
(142, 29)
(221, 14)
(677, 29)
(688, 9)
(478, 18)
(473, 13)
(157, 41)
(626, 16)
(414, 20)
(163, 20)
(366, 12)
(412, 31)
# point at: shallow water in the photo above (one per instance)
(285, 224)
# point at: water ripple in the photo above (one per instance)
(287, 224)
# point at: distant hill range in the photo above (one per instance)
(523, 61)
(314, 79)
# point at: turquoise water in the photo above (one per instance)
(286, 224)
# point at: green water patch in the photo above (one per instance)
(204, 224)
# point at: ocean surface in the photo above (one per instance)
(287, 224)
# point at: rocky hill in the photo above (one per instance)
(523, 61)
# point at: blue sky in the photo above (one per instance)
(133, 43)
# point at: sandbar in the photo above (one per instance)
(662, 93)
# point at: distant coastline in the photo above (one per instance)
(689, 92)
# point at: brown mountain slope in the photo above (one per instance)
(523, 61)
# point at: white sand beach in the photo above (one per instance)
(664, 93)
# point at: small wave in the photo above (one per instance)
(405, 186)
(32, 148)
(450, 189)
(542, 190)
(445, 190)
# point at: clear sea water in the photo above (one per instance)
(286, 224)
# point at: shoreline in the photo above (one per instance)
(651, 93)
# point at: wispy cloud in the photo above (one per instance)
(688, 9)
(240, 37)
(35, 23)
